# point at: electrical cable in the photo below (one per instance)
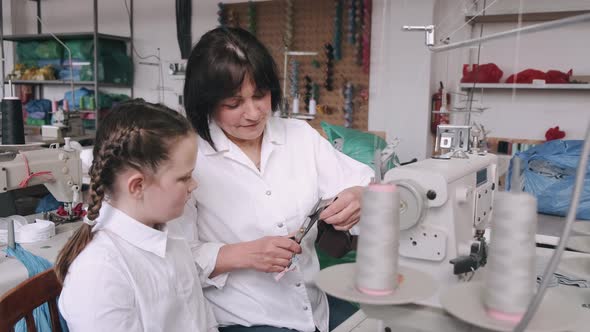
(71, 64)
(161, 86)
(133, 48)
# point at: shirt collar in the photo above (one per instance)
(274, 132)
(131, 230)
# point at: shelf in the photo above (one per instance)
(518, 86)
(76, 83)
(526, 17)
(64, 36)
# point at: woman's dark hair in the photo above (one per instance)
(135, 134)
(216, 70)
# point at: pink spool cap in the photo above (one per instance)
(504, 316)
(382, 187)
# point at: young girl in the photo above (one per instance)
(123, 271)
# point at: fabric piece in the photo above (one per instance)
(554, 133)
(559, 278)
(484, 73)
(34, 265)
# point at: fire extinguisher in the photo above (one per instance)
(437, 102)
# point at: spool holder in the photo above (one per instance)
(339, 281)
(465, 302)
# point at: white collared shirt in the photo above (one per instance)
(132, 277)
(236, 202)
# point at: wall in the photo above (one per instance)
(400, 64)
(403, 73)
(526, 113)
(154, 27)
(400, 75)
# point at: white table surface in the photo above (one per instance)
(414, 318)
(13, 272)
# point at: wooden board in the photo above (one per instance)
(313, 26)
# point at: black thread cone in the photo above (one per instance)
(13, 130)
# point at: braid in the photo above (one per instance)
(107, 155)
(135, 134)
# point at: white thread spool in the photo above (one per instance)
(511, 277)
(312, 106)
(378, 245)
(295, 105)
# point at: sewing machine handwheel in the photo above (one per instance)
(413, 203)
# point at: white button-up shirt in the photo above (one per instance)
(132, 277)
(236, 202)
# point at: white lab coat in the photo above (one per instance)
(236, 202)
(131, 277)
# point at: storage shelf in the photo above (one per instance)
(64, 36)
(76, 83)
(518, 86)
(526, 17)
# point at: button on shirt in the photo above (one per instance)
(131, 277)
(237, 202)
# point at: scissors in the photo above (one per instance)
(312, 217)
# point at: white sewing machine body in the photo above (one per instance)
(64, 124)
(65, 181)
(443, 202)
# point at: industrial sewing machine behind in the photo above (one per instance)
(64, 124)
(446, 205)
(58, 168)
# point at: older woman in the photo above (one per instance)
(258, 177)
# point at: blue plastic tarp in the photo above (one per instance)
(548, 173)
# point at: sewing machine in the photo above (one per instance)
(64, 124)
(58, 168)
(445, 208)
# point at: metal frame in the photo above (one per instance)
(96, 39)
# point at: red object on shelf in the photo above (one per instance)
(554, 133)
(557, 77)
(526, 76)
(25, 93)
(486, 73)
(551, 77)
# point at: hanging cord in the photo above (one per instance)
(517, 51)
(472, 90)
(134, 49)
(453, 13)
(470, 20)
(25, 182)
(69, 58)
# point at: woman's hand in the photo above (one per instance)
(267, 254)
(344, 212)
(270, 253)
